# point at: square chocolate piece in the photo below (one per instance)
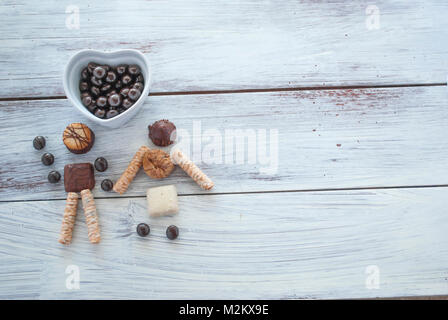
(78, 177)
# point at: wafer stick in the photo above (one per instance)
(192, 170)
(91, 217)
(129, 174)
(68, 221)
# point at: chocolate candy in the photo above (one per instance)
(39, 142)
(111, 77)
(100, 113)
(134, 94)
(54, 177)
(101, 164)
(107, 185)
(127, 103)
(85, 74)
(101, 101)
(47, 159)
(114, 100)
(134, 70)
(112, 113)
(172, 232)
(95, 81)
(98, 81)
(83, 86)
(99, 72)
(78, 138)
(162, 133)
(126, 79)
(78, 177)
(121, 69)
(143, 229)
(95, 91)
(139, 86)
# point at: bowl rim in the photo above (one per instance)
(77, 103)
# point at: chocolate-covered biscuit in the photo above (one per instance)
(78, 138)
(162, 133)
(78, 177)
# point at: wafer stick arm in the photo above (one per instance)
(192, 170)
(129, 174)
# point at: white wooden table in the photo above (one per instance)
(356, 209)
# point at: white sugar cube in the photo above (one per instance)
(162, 201)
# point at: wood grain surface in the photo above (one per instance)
(359, 179)
(254, 246)
(227, 45)
(326, 139)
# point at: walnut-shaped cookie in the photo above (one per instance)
(157, 164)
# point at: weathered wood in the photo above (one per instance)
(260, 246)
(216, 45)
(327, 139)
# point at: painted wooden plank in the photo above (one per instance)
(253, 246)
(326, 139)
(209, 45)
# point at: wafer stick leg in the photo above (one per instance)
(68, 221)
(91, 217)
(192, 170)
(129, 174)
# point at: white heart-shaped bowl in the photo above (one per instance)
(72, 75)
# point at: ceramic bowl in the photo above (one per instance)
(80, 60)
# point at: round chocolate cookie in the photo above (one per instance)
(78, 138)
(162, 133)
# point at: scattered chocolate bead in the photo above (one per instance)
(172, 232)
(139, 79)
(47, 159)
(39, 142)
(143, 229)
(134, 94)
(101, 164)
(54, 176)
(107, 185)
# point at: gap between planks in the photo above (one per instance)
(199, 92)
(254, 192)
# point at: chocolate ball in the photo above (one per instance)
(162, 133)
